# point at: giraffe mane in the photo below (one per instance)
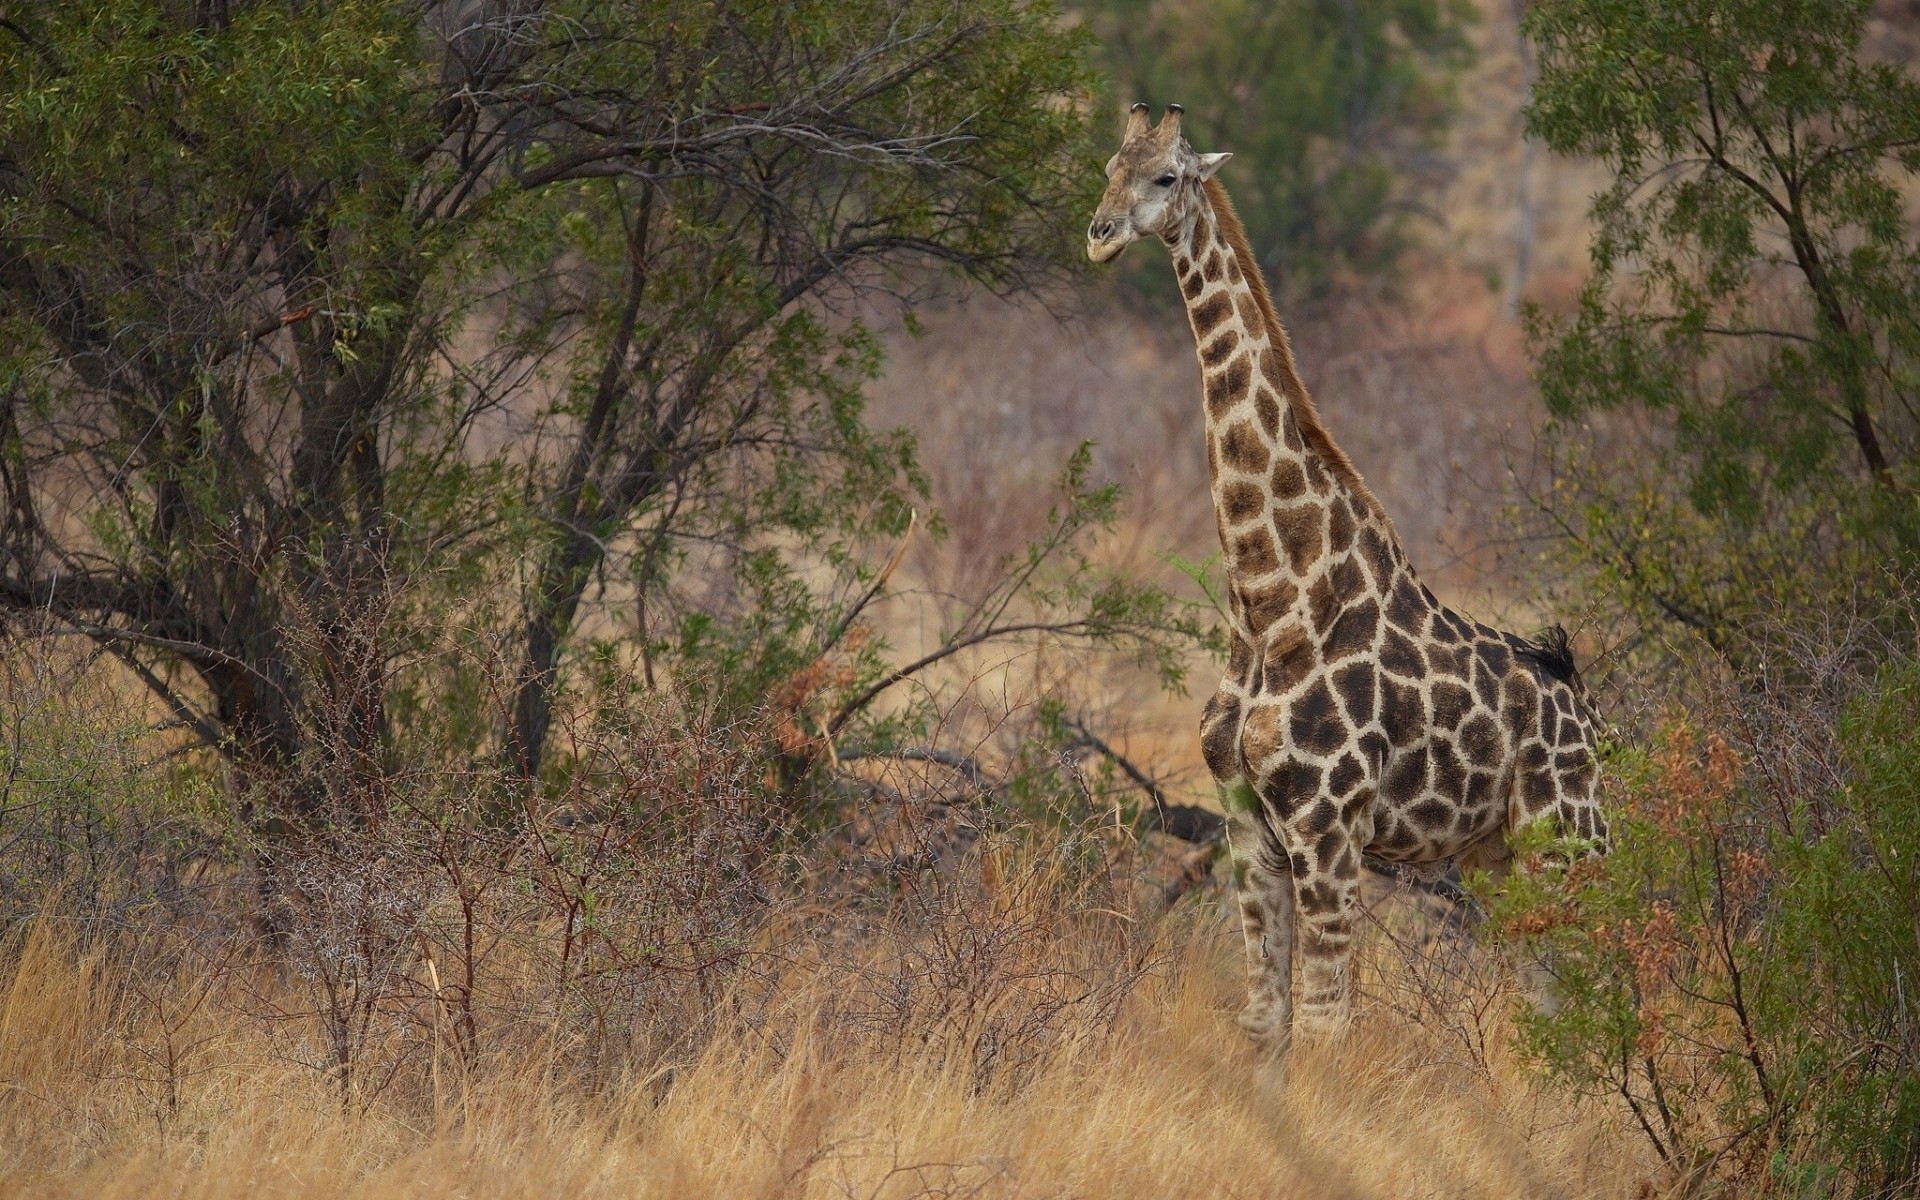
(1304, 413)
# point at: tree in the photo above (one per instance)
(1327, 105)
(1755, 289)
(283, 289)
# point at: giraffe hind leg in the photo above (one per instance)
(1264, 887)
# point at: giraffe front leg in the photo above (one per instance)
(1327, 891)
(1264, 890)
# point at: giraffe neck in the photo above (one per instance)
(1288, 503)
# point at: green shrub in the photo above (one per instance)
(1739, 971)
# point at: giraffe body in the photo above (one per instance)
(1358, 716)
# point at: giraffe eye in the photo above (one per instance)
(1166, 180)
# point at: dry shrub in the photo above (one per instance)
(635, 986)
(804, 1093)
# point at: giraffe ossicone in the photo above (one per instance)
(1358, 717)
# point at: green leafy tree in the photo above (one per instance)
(319, 316)
(1754, 296)
(1329, 107)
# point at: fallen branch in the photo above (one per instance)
(1188, 822)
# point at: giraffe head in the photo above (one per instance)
(1151, 184)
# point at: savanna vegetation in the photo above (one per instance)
(594, 601)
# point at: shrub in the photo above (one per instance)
(1739, 970)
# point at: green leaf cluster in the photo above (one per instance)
(1752, 308)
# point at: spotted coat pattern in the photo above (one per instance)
(1359, 716)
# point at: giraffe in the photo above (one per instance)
(1358, 718)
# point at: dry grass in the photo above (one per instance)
(813, 1094)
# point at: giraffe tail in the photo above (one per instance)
(1553, 651)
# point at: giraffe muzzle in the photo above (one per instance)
(1106, 238)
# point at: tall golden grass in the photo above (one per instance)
(829, 1080)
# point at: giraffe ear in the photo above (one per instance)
(1113, 164)
(1209, 163)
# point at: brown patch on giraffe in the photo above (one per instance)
(1289, 659)
(1355, 684)
(1517, 704)
(1239, 661)
(1480, 738)
(1215, 352)
(1498, 659)
(1451, 703)
(1249, 311)
(1323, 604)
(1403, 710)
(1374, 747)
(1202, 237)
(1353, 632)
(1346, 775)
(1405, 778)
(1253, 553)
(1318, 819)
(1400, 656)
(1289, 481)
(1268, 603)
(1537, 792)
(1210, 312)
(1348, 579)
(1317, 480)
(1314, 721)
(1212, 270)
(1225, 389)
(1191, 285)
(1485, 687)
(1242, 501)
(1479, 793)
(1242, 448)
(1532, 757)
(1430, 816)
(1405, 612)
(1449, 773)
(1299, 530)
(1220, 735)
(1550, 722)
(1272, 365)
(1454, 662)
(1268, 410)
(1339, 526)
(1291, 786)
(1233, 270)
(1373, 548)
(1291, 431)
